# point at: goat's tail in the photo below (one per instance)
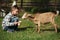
(57, 13)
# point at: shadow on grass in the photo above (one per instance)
(23, 29)
(47, 29)
(58, 30)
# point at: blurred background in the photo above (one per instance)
(30, 5)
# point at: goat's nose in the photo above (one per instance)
(23, 17)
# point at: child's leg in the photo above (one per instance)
(15, 27)
(8, 28)
(5, 28)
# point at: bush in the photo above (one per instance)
(39, 9)
(28, 9)
(42, 9)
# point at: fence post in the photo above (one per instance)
(21, 3)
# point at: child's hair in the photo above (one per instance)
(14, 7)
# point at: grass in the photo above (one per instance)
(26, 32)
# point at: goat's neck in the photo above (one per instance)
(32, 19)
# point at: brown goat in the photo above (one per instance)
(39, 18)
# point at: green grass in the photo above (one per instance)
(27, 32)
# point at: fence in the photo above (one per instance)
(47, 5)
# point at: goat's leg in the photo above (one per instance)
(54, 24)
(38, 27)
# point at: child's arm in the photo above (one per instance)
(19, 22)
(7, 21)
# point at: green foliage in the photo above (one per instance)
(42, 9)
(28, 9)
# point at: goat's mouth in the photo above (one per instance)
(24, 18)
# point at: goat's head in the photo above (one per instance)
(25, 15)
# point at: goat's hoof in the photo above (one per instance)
(56, 31)
(38, 31)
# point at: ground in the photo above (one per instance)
(26, 32)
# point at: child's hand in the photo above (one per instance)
(19, 23)
(16, 23)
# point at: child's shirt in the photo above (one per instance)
(9, 20)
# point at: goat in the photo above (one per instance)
(43, 18)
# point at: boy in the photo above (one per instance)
(11, 22)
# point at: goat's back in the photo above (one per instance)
(44, 17)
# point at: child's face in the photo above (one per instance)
(15, 12)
